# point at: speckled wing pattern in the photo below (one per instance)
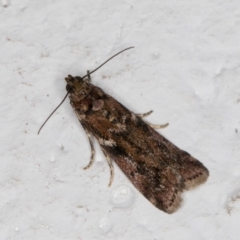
(155, 166)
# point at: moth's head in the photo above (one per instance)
(74, 84)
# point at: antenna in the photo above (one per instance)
(107, 61)
(53, 112)
(82, 78)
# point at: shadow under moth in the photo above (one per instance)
(156, 167)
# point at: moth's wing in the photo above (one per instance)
(192, 171)
(156, 167)
(162, 187)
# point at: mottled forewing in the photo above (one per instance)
(155, 166)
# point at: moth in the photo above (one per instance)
(155, 166)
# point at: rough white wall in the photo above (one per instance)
(185, 66)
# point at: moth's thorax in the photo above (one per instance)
(84, 96)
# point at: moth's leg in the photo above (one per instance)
(92, 150)
(158, 126)
(152, 125)
(142, 115)
(110, 166)
(89, 77)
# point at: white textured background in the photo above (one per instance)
(185, 66)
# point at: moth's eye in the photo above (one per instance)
(69, 88)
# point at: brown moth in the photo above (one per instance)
(156, 167)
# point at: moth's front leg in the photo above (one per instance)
(93, 154)
(142, 115)
(92, 149)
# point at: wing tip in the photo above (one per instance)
(168, 205)
(176, 204)
(198, 179)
